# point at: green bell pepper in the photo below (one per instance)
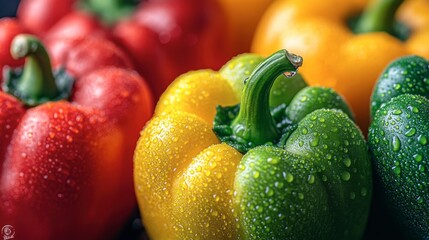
(399, 142)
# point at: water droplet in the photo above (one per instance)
(352, 195)
(269, 191)
(304, 98)
(324, 178)
(397, 86)
(346, 142)
(418, 157)
(304, 130)
(422, 140)
(289, 74)
(69, 138)
(288, 177)
(279, 184)
(396, 144)
(311, 179)
(410, 132)
(397, 112)
(273, 161)
(419, 200)
(51, 134)
(59, 195)
(396, 170)
(347, 162)
(421, 168)
(301, 196)
(256, 174)
(215, 213)
(345, 176)
(363, 191)
(315, 141)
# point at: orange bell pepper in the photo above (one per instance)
(241, 27)
(335, 55)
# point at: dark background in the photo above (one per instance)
(8, 7)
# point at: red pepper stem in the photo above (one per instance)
(37, 80)
(254, 123)
(379, 16)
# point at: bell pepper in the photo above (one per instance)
(398, 139)
(206, 168)
(241, 27)
(156, 34)
(66, 147)
(344, 49)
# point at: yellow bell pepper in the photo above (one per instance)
(335, 56)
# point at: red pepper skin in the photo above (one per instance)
(9, 28)
(77, 24)
(67, 165)
(167, 30)
(188, 34)
(40, 15)
(89, 54)
(68, 168)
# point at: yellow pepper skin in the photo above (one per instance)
(334, 55)
(205, 171)
(176, 151)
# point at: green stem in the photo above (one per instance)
(254, 123)
(379, 16)
(35, 83)
(37, 80)
(110, 10)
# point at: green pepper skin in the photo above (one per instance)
(312, 98)
(408, 74)
(398, 138)
(306, 170)
(317, 186)
(399, 142)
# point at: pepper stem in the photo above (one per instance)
(35, 83)
(379, 16)
(254, 123)
(110, 11)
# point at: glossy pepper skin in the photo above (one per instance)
(344, 54)
(244, 172)
(398, 139)
(241, 27)
(156, 34)
(66, 147)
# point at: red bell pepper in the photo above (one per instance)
(164, 37)
(66, 146)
